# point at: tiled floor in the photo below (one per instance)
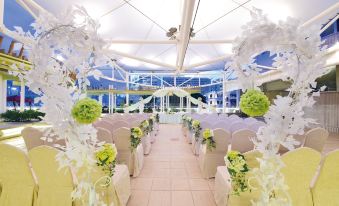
(171, 175)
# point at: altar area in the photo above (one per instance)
(166, 118)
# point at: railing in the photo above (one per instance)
(331, 39)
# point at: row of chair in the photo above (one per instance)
(310, 181)
(40, 181)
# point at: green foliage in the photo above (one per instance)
(25, 116)
(136, 135)
(86, 111)
(238, 169)
(254, 103)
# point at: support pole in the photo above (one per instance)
(22, 95)
(224, 93)
(127, 88)
(109, 99)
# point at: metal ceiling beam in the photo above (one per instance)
(143, 41)
(184, 33)
(142, 59)
(331, 10)
(25, 6)
(211, 61)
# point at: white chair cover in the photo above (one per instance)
(104, 135)
(250, 120)
(133, 159)
(241, 140)
(104, 124)
(32, 137)
(238, 125)
(256, 125)
(210, 160)
(316, 138)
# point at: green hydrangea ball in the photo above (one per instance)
(254, 103)
(86, 111)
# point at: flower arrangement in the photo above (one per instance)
(237, 168)
(196, 128)
(151, 123)
(145, 127)
(106, 157)
(136, 134)
(86, 111)
(254, 103)
(157, 118)
(189, 123)
(208, 139)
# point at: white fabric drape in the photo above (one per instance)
(165, 91)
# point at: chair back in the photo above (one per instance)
(104, 135)
(250, 120)
(246, 197)
(104, 124)
(222, 124)
(241, 140)
(119, 124)
(326, 187)
(300, 168)
(316, 138)
(205, 125)
(32, 137)
(16, 177)
(256, 125)
(222, 139)
(238, 125)
(122, 138)
(135, 123)
(233, 118)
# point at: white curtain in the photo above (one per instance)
(165, 91)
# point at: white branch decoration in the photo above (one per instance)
(300, 59)
(63, 52)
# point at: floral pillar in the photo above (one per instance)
(22, 95)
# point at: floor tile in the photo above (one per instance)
(139, 198)
(141, 183)
(160, 198)
(203, 198)
(179, 184)
(161, 184)
(199, 184)
(182, 198)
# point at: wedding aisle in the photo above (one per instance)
(171, 175)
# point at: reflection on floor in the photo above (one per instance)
(171, 175)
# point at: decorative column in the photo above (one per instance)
(22, 95)
(127, 88)
(168, 102)
(100, 99)
(112, 102)
(3, 94)
(109, 99)
(224, 93)
(180, 104)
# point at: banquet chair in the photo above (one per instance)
(222, 124)
(17, 182)
(132, 158)
(241, 140)
(249, 120)
(32, 137)
(256, 125)
(326, 188)
(196, 144)
(119, 124)
(135, 123)
(117, 193)
(300, 168)
(223, 188)
(55, 183)
(298, 138)
(104, 124)
(234, 118)
(209, 160)
(238, 125)
(104, 135)
(316, 138)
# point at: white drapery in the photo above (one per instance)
(164, 92)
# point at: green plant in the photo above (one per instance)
(86, 111)
(24, 116)
(254, 103)
(136, 135)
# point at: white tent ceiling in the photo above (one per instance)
(216, 20)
